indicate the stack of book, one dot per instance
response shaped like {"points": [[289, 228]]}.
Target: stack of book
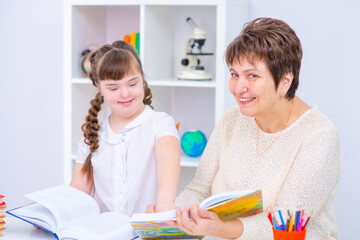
{"points": [[134, 40], [2, 214]]}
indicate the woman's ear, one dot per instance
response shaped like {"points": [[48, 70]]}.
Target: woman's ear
{"points": [[285, 83]]}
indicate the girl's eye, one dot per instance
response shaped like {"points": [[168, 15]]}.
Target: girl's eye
{"points": [[113, 89], [132, 84]]}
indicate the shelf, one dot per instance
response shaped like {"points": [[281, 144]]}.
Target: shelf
{"points": [[185, 161], [189, 161], [173, 82], [163, 30], [168, 82], [81, 81]]}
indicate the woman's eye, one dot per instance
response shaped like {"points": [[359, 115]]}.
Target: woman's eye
{"points": [[234, 75], [253, 76]]}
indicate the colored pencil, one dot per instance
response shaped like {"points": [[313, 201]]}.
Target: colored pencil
{"points": [[282, 220], [294, 221], [307, 221], [269, 217], [299, 227], [291, 224]]}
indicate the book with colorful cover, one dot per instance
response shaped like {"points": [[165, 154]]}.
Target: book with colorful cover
{"points": [[228, 205], [126, 38], [154, 226], [234, 204], [137, 43], [134, 40]]}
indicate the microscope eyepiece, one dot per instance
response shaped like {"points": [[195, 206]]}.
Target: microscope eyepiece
{"points": [[191, 22]]}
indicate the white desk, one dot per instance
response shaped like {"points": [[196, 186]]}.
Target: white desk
{"points": [[20, 230], [17, 229]]}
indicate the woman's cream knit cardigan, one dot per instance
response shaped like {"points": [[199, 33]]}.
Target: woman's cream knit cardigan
{"points": [[300, 167]]}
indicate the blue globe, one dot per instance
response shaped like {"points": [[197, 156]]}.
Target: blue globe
{"points": [[193, 143]]}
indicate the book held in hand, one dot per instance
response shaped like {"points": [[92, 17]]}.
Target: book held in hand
{"points": [[154, 226], [227, 205], [68, 213]]}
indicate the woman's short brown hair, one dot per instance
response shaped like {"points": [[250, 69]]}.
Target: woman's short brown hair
{"points": [[272, 41]]}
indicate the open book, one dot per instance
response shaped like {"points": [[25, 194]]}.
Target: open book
{"points": [[227, 205], [68, 213]]}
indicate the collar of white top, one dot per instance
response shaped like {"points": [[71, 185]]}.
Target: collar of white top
{"points": [[112, 137]]}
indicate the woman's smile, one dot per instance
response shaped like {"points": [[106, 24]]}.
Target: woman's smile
{"points": [[243, 100]]}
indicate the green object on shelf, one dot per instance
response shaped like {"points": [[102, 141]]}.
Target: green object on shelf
{"points": [[137, 44]]}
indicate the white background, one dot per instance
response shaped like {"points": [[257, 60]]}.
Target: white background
{"points": [[31, 90]]}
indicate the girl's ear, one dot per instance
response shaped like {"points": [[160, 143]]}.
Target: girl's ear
{"points": [[285, 83]]}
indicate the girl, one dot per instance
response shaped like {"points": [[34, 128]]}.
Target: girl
{"points": [[132, 159]]}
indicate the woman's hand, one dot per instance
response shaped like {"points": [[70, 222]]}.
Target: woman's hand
{"points": [[206, 223]]}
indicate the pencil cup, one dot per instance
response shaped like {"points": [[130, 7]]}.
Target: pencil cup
{"points": [[285, 235]]}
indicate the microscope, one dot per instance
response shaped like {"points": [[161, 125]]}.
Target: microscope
{"points": [[190, 68]]}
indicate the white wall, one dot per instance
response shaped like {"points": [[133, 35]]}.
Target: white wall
{"points": [[31, 89], [30, 97], [330, 35]]}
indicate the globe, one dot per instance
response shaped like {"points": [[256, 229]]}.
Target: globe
{"points": [[193, 143]]}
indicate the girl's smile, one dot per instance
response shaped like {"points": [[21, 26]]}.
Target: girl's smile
{"points": [[126, 103]]}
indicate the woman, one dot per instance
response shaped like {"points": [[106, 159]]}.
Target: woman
{"points": [[272, 141]]}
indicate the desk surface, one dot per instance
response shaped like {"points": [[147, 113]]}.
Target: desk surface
{"points": [[17, 229], [20, 230]]}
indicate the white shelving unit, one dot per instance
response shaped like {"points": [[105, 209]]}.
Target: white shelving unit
{"points": [[162, 28]]}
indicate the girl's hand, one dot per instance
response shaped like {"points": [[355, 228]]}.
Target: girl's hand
{"points": [[206, 223], [162, 206], [158, 208], [150, 209]]}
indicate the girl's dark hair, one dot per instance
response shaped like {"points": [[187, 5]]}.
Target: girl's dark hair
{"points": [[273, 41], [108, 62]]}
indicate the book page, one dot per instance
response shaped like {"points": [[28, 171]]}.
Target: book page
{"points": [[36, 213], [65, 203], [106, 226], [221, 197], [156, 217]]}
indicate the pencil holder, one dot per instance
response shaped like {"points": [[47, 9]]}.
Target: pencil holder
{"points": [[285, 235]]}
